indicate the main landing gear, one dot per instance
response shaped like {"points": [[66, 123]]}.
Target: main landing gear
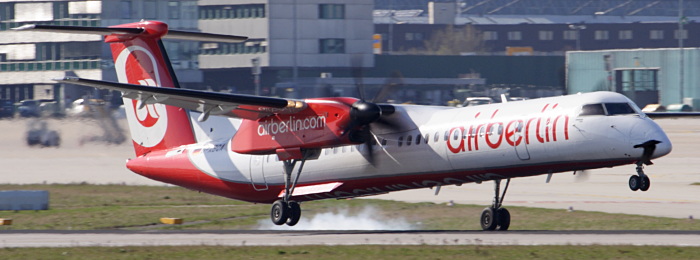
{"points": [[496, 217], [285, 210]]}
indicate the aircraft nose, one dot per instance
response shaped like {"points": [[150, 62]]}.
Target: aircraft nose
{"points": [[654, 134], [664, 146]]}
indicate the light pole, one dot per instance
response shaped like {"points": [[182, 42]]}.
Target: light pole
{"points": [[578, 29], [681, 35], [256, 74]]}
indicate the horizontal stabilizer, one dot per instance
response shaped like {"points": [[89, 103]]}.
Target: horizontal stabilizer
{"points": [[172, 34], [226, 104]]}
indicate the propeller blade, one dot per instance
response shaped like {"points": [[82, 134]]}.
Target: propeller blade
{"points": [[395, 81]]}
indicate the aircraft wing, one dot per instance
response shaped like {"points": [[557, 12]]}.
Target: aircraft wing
{"points": [[225, 104]]}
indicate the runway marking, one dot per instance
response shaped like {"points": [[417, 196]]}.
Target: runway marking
{"points": [[14, 239]]}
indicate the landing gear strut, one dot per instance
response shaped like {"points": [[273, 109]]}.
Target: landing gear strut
{"points": [[285, 210], [496, 217], [641, 180]]}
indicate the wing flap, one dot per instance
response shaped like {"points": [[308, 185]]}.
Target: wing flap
{"points": [[224, 104], [313, 189]]}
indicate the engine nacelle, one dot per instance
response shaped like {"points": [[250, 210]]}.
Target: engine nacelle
{"points": [[321, 125]]}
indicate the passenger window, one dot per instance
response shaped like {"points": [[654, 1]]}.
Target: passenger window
{"points": [[436, 138], [409, 139], [400, 141], [619, 109], [418, 137], [427, 137], [457, 134], [592, 109], [447, 135]]}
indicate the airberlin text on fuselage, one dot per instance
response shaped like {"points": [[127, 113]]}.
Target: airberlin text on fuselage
{"points": [[292, 124], [541, 129]]}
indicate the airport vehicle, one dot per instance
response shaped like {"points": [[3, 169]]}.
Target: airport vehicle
{"points": [[286, 151]]}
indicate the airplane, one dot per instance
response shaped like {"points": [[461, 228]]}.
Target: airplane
{"points": [[287, 151]]}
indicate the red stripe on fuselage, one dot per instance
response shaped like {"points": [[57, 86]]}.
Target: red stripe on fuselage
{"points": [[177, 170]]}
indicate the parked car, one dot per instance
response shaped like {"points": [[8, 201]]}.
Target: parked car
{"points": [[475, 101], [29, 108], [7, 109]]}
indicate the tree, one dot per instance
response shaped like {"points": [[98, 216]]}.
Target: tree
{"points": [[455, 41]]}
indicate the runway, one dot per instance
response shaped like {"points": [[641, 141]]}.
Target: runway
{"points": [[671, 195], [14, 239]]}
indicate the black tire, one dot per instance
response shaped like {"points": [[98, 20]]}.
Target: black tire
{"points": [[644, 184], [503, 219], [294, 213], [279, 212], [488, 219], [634, 182]]}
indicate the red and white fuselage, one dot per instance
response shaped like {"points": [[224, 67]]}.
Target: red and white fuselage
{"points": [[440, 146]]}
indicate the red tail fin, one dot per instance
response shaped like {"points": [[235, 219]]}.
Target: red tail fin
{"points": [[141, 59]]}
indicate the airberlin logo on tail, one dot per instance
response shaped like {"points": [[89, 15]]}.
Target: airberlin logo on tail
{"points": [[148, 123], [148, 116]]}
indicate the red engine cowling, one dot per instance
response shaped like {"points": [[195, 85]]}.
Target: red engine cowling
{"points": [[320, 125]]}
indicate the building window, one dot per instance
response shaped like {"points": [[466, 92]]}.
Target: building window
{"points": [[331, 46], [60, 10], [331, 11], [637, 80], [232, 11], [570, 35], [678, 34], [7, 11], [515, 36], [174, 9], [546, 35], [414, 36], [601, 35], [490, 35], [125, 9], [656, 34], [625, 35]]}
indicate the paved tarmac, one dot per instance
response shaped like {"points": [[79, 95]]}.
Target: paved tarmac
{"points": [[280, 238], [671, 195]]}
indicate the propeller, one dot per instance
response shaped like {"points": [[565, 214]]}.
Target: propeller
{"points": [[364, 113]]}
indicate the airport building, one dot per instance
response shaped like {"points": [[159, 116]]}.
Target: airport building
{"points": [[298, 41], [647, 76]]}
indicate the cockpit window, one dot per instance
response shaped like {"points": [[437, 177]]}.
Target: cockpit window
{"points": [[609, 109], [592, 109], [619, 109]]}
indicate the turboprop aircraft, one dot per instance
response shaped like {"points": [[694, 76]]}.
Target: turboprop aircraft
{"points": [[287, 151]]}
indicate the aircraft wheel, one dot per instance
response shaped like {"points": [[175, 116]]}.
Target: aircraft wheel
{"points": [[503, 219], [279, 213], [488, 219], [644, 184], [294, 213], [635, 182]]}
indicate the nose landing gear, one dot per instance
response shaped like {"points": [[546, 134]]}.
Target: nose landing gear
{"points": [[641, 180]]}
